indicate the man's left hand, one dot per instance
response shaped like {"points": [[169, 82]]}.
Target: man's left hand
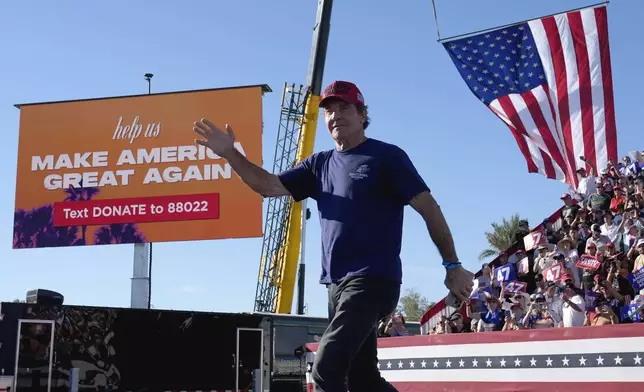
{"points": [[460, 282]]}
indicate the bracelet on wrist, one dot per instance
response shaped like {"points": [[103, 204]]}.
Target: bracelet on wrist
{"points": [[451, 264]]}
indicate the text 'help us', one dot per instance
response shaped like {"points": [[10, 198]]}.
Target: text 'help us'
{"points": [[132, 131]]}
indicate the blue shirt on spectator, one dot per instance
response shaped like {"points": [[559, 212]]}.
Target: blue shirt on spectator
{"points": [[361, 194], [497, 318], [533, 319]]}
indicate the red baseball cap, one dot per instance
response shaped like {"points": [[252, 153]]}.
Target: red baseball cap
{"points": [[345, 91]]}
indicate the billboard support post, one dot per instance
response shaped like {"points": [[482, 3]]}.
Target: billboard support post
{"points": [[141, 296], [140, 293]]}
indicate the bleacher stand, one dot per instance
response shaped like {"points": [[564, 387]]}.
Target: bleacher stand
{"points": [[582, 266]]}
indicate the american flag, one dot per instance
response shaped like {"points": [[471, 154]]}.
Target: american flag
{"points": [[582, 359], [550, 81]]}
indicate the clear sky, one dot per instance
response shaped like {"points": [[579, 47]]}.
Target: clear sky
{"points": [[78, 49]]}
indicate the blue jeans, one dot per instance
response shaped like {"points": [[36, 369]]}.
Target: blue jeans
{"points": [[347, 353]]}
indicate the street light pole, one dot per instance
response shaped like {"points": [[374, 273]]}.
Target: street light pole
{"points": [[148, 77]]}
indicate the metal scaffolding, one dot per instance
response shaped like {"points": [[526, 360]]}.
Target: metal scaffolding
{"points": [[277, 213]]}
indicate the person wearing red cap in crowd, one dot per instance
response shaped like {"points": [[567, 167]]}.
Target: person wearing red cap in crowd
{"points": [[361, 188], [610, 252], [569, 209], [619, 200]]}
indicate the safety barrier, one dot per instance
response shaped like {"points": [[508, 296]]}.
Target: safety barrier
{"points": [[581, 359]]}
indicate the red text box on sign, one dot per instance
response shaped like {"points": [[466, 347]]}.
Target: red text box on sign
{"points": [[137, 210]]}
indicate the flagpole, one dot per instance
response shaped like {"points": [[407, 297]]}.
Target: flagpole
{"points": [[438, 33], [448, 39]]}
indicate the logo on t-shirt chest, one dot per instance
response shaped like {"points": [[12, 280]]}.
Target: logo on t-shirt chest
{"points": [[360, 173]]}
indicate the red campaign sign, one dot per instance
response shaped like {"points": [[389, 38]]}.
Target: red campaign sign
{"points": [[515, 287], [554, 272], [588, 262], [523, 266], [137, 210], [534, 239]]}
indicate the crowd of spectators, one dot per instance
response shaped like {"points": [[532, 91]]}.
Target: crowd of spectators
{"points": [[393, 326], [582, 267]]}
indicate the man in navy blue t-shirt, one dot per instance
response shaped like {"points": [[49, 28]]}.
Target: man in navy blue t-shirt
{"points": [[361, 188]]}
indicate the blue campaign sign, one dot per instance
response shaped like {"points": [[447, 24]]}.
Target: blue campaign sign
{"points": [[638, 280], [630, 312], [505, 273]]}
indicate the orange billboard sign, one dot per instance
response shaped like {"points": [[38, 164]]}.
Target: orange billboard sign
{"points": [[126, 170]]}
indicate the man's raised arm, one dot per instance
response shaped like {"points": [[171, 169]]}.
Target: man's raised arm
{"points": [[258, 179], [223, 144]]}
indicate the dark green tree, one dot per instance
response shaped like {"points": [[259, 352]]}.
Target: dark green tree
{"points": [[501, 237], [413, 305]]}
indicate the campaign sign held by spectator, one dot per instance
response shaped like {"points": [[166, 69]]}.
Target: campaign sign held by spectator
{"points": [[638, 280], [479, 288], [630, 312], [505, 273], [591, 300], [515, 286], [523, 265], [122, 170], [588, 262], [534, 239], [553, 273], [475, 289]]}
